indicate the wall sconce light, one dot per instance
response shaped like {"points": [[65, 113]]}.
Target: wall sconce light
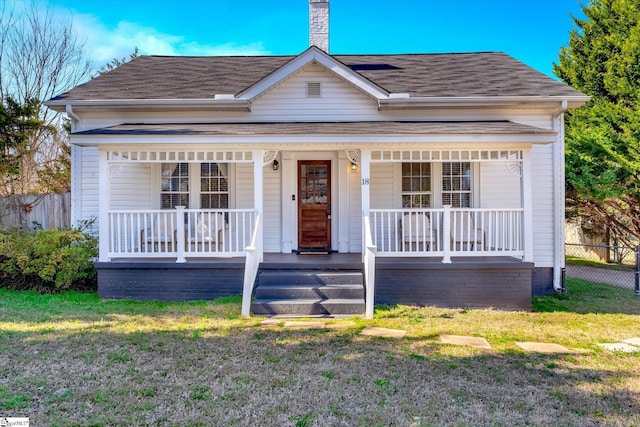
{"points": [[275, 165], [354, 166]]}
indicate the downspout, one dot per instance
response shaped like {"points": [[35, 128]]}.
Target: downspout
{"points": [[559, 195], [74, 118]]}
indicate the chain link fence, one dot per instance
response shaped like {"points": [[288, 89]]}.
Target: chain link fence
{"points": [[602, 270]]}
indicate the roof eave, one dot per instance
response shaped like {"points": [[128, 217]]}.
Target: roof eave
{"points": [[151, 104], [409, 103]]}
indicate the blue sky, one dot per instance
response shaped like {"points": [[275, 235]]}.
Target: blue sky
{"points": [[530, 30]]}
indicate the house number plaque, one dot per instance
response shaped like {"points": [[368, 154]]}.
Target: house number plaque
{"points": [[365, 181]]}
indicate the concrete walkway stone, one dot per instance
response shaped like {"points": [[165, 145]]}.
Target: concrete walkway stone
{"points": [[340, 326], [542, 347], [620, 346], [373, 331], [632, 341], [477, 342], [304, 325], [270, 323]]}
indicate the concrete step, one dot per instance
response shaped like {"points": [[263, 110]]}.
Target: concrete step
{"points": [[308, 292], [307, 307], [292, 291], [309, 278]]}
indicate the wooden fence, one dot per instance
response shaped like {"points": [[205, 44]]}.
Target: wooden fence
{"points": [[24, 211]]}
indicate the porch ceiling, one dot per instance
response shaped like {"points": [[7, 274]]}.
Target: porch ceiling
{"points": [[376, 129]]}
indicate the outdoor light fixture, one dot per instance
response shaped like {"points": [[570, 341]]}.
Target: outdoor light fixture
{"points": [[353, 166], [275, 165]]}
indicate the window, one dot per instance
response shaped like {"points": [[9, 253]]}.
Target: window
{"points": [[214, 186], [416, 185], [174, 188], [456, 184], [210, 191]]}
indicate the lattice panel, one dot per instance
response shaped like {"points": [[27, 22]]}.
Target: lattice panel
{"points": [[194, 156], [446, 155]]}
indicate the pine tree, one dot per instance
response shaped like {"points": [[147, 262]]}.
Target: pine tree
{"points": [[602, 60]]}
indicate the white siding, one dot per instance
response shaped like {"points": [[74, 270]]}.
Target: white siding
{"points": [[131, 186], [243, 187], [272, 210], [541, 156], [288, 100], [88, 176], [355, 212], [499, 188], [382, 186]]}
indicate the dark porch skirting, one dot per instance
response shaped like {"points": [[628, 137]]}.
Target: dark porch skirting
{"points": [[169, 281], [502, 283]]}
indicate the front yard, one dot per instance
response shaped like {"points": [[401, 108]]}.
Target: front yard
{"points": [[72, 359]]}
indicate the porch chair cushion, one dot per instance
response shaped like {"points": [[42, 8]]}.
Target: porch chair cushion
{"points": [[158, 230], [464, 229], [209, 228], [159, 234], [416, 228]]}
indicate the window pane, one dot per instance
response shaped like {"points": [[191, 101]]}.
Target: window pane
{"points": [[174, 185], [456, 184], [214, 187], [416, 185]]}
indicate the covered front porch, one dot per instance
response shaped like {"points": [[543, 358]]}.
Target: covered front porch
{"points": [[475, 242]]}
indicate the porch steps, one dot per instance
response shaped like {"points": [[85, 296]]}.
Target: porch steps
{"points": [[308, 292]]}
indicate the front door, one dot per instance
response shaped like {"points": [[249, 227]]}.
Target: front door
{"points": [[314, 204]]}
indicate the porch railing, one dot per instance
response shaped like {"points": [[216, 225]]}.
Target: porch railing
{"points": [[252, 263], [180, 233], [448, 232], [369, 258]]}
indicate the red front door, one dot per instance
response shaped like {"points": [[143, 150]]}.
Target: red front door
{"points": [[314, 204]]}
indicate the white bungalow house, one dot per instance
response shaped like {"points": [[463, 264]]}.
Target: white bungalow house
{"points": [[429, 178]]}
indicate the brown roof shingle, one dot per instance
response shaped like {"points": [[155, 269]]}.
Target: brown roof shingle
{"points": [[322, 128], [421, 75]]}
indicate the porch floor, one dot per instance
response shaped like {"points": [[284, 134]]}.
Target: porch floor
{"points": [[337, 260], [466, 282]]}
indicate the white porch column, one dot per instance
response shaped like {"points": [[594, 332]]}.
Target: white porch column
{"points": [[104, 203], [289, 203], [526, 183], [365, 181], [344, 234], [446, 233], [180, 241], [258, 190]]}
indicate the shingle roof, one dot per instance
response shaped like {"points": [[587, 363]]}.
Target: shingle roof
{"points": [[321, 128], [421, 75]]}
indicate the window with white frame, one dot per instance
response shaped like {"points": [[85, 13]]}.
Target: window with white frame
{"points": [[214, 186], [174, 185], [197, 186], [456, 184], [416, 185]]}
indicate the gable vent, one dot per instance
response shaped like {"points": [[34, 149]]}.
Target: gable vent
{"points": [[313, 89]]}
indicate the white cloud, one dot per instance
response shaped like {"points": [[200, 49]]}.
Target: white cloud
{"points": [[103, 44]]}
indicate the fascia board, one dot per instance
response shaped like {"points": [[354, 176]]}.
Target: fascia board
{"points": [[147, 104], [308, 56], [478, 102], [329, 140]]}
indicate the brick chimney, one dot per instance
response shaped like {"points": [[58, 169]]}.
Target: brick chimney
{"points": [[319, 24]]}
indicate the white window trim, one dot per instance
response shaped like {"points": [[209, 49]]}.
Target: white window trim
{"points": [[436, 184], [194, 185]]}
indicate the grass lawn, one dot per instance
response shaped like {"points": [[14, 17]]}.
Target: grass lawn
{"points": [[72, 359]]}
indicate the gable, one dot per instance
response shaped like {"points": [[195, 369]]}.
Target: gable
{"points": [[338, 100]]}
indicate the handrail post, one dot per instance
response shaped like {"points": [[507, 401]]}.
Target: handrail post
{"points": [[252, 263], [369, 255], [180, 234], [446, 234]]}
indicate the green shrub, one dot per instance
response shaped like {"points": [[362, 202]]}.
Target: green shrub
{"points": [[48, 260]]}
